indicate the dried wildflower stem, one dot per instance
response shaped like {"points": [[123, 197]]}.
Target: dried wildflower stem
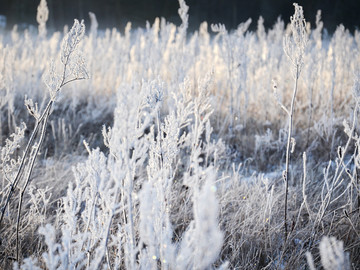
{"points": [[294, 49], [288, 148]]}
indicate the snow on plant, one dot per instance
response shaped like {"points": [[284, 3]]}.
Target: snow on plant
{"points": [[89, 213], [183, 13], [8, 163], [155, 202], [203, 231], [332, 255], [294, 45], [94, 25], [236, 64]]}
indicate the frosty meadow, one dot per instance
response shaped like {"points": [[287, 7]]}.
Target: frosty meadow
{"points": [[157, 148]]}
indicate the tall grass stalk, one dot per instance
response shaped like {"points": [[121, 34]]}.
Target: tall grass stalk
{"points": [[294, 48]]}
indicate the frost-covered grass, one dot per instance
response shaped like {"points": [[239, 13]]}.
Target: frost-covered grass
{"points": [[172, 154]]}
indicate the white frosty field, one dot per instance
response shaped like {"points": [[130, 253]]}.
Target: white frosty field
{"points": [[159, 148]]}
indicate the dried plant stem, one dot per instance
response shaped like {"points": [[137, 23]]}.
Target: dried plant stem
{"points": [[294, 48], [286, 174]]}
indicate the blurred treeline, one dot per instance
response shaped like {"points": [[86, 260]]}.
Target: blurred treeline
{"points": [[116, 13]]}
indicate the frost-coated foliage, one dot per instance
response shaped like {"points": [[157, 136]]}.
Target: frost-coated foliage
{"points": [[169, 153], [332, 255]]}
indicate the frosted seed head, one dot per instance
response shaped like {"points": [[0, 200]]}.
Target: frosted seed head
{"points": [[296, 42], [218, 28], [77, 66], [183, 12], [332, 254], [52, 80], [32, 108], [155, 93], [42, 12], [71, 40], [42, 17], [94, 24], [318, 18]]}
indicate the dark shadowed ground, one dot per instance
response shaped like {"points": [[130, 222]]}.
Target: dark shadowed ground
{"points": [[115, 13]]}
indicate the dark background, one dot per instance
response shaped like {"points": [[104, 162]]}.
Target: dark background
{"points": [[116, 13]]}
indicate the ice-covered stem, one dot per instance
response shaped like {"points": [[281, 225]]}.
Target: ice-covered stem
{"points": [[42, 17], [294, 48]]}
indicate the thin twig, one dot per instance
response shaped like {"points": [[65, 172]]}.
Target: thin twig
{"points": [[288, 148]]}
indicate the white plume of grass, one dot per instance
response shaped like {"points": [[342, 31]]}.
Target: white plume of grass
{"points": [[203, 232], [333, 256], [42, 17]]}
